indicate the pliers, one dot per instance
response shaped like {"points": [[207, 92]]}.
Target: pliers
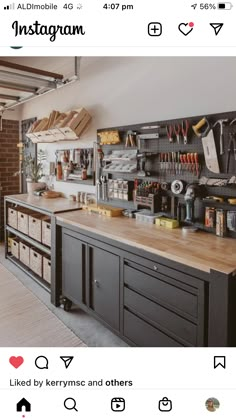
{"points": [[170, 133], [232, 142], [185, 127], [177, 130]]}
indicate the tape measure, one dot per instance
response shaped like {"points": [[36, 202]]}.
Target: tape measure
{"points": [[177, 187]]}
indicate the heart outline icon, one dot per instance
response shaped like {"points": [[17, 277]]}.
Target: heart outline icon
{"points": [[182, 30], [16, 361]]}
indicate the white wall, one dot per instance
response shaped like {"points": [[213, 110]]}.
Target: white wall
{"points": [[120, 91]]}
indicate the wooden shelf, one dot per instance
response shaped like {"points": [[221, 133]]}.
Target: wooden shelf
{"points": [[29, 272], [70, 181], [31, 241]]}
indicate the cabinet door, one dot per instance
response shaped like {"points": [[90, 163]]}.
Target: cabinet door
{"points": [[104, 273], [73, 268]]}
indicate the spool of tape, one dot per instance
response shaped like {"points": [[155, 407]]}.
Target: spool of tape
{"points": [[177, 187]]}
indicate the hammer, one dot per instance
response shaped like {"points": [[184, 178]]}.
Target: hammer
{"points": [[221, 122]]}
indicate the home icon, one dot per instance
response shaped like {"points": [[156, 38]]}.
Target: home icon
{"points": [[23, 404]]}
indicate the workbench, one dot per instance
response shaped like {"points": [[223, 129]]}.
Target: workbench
{"points": [[150, 285]]}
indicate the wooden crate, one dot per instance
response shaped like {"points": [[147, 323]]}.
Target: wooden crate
{"points": [[15, 248], [12, 217], [25, 254], [35, 227], [36, 262], [47, 269], [46, 232]]}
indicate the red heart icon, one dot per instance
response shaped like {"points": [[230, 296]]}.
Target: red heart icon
{"points": [[16, 361]]}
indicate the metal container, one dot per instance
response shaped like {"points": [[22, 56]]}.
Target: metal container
{"points": [[210, 217], [220, 223]]}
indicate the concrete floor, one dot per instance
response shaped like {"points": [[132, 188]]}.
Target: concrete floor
{"points": [[92, 332]]}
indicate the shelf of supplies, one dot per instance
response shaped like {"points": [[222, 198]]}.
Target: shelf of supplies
{"points": [[218, 205], [31, 241], [29, 272]]}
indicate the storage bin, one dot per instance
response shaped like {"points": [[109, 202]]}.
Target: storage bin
{"points": [[15, 248], [146, 216], [25, 254], [23, 221], [47, 269], [35, 227], [36, 262], [12, 217], [46, 232]]}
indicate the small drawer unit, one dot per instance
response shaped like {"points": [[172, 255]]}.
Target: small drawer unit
{"points": [[12, 217], [36, 262], [47, 269], [24, 254], [46, 232], [15, 248]]}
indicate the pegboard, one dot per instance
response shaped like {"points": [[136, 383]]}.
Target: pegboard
{"points": [[194, 145]]}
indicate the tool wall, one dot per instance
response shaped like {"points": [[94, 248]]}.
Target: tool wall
{"points": [[151, 165]]}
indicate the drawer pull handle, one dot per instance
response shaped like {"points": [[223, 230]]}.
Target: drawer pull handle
{"points": [[97, 283], [155, 267]]}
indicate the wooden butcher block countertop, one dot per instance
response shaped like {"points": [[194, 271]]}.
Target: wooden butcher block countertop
{"points": [[200, 250], [50, 205]]}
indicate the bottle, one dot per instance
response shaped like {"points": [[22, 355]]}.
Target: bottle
{"points": [[59, 171]]}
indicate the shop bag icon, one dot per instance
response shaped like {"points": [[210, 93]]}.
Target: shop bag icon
{"points": [[165, 404]]}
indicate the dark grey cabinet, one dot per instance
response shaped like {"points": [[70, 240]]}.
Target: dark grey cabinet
{"points": [[91, 277], [73, 268], [104, 280]]}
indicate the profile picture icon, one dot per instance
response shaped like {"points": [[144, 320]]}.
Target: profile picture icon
{"points": [[212, 404]]}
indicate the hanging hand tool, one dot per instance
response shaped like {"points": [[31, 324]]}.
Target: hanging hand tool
{"points": [[185, 162], [170, 133], [208, 143], [196, 163], [190, 195], [185, 128], [193, 163], [232, 142], [177, 130], [189, 161], [181, 162], [221, 122]]}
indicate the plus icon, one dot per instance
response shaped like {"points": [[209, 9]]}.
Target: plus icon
{"points": [[154, 29]]}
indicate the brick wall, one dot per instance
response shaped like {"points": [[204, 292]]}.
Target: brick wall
{"points": [[9, 163]]}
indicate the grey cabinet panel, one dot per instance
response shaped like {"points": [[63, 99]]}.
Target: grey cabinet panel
{"points": [[161, 317], [159, 288], [73, 268], [144, 335], [104, 274]]}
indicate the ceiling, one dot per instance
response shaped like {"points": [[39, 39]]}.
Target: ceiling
{"points": [[20, 83]]}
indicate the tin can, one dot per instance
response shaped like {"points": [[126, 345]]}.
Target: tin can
{"points": [[220, 223], [210, 217]]}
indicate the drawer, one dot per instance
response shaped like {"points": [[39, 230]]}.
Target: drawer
{"points": [[165, 290], [15, 248], [144, 335], [161, 317], [36, 262], [46, 232], [35, 228], [24, 254], [12, 218], [23, 222], [47, 269]]}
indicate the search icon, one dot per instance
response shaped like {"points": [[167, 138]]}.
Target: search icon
{"points": [[70, 404], [41, 362]]}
